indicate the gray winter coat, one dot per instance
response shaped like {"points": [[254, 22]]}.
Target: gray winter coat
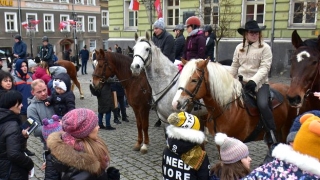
{"points": [[37, 110]]}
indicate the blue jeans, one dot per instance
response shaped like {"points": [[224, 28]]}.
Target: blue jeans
{"points": [[108, 117], [84, 65]]}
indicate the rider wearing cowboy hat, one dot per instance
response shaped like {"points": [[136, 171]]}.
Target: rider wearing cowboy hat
{"points": [[252, 59]]}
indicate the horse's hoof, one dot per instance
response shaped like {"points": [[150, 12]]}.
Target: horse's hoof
{"points": [[81, 97], [136, 148], [143, 151]]}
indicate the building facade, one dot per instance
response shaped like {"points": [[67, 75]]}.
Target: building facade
{"points": [[83, 24], [280, 17]]}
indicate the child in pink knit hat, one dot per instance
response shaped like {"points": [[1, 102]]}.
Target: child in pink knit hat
{"points": [[235, 160], [50, 126]]}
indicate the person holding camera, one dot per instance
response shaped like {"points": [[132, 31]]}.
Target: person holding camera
{"points": [[13, 161]]}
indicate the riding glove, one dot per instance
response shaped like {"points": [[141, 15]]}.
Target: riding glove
{"points": [[250, 86]]}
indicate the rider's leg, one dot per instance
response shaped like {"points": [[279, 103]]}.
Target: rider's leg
{"points": [[263, 96]]}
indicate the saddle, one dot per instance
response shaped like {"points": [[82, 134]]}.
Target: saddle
{"points": [[250, 102]]}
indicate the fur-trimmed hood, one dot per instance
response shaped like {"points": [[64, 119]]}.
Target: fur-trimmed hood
{"points": [[304, 162], [70, 157], [190, 135]]}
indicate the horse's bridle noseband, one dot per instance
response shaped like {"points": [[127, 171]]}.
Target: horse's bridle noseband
{"points": [[308, 91], [137, 55], [193, 94]]}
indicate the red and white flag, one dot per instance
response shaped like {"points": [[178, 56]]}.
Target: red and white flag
{"points": [[62, 25], [35, 22], [134, 5], [157, 5], [24, 24]]}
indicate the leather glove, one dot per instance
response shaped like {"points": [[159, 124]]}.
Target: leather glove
{"points": [[250, 86], [95, 92]]}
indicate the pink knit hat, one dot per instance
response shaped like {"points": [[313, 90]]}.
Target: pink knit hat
{"points": [[231, 150], [80, 122]]}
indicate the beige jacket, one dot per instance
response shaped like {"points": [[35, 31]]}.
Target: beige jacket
{"points": [[253, 64]]}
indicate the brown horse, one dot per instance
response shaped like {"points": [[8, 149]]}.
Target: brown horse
{"points": [[305, 73], [222, 96], [138, 91], [72, 71]]}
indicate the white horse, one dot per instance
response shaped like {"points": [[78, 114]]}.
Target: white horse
{"points": [[162, 75]]}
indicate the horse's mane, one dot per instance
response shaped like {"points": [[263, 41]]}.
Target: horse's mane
{"points": [[223, 87], [156, 52], [311, 42]]}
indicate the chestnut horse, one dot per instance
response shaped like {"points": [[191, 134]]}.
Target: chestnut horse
{"points": [[138, 91], [72, 71], [222, 96], [305, 73]]}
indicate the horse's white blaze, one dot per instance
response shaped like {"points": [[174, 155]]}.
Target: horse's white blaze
{"points": [[301, 54], [176, 98]]}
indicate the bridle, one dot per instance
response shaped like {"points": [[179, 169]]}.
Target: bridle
{"points": [[103, 77], [308, 91], [149, 55], [193, 94]]}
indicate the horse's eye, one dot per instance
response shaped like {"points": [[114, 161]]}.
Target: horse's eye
{"points": [[147, 49], [194, 80]]}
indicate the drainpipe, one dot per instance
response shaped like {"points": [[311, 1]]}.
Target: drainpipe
{"points": [[19, 15], [272, 29]]}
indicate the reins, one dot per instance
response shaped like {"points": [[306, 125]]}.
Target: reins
{"points": [[308, 92]]}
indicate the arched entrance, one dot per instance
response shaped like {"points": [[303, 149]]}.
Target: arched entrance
{"points": [[66, 43]]}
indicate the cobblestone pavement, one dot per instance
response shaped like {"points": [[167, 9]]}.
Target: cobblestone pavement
{"points": [[133, 164]]}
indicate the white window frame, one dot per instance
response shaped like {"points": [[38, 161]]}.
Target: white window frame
{"points": [[104, 17], [94, 43], [35, 15], [48, 0], [64, 1], [79, 1], [255, 3], [82, 23], [212, 5], [91, 2], [166, 14], [303, 24], [44, 22], [93, 23], [15, 24], [67, 28], [127, 11]]}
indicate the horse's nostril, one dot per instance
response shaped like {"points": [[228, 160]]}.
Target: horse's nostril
{"points": [[294, 100], [137, 66], [178, 105]]}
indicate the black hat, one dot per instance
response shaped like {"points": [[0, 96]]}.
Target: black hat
{"points": [[251, 25], [17, 36]]}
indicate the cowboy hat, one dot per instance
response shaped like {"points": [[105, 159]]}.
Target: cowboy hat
{"points": [[251, 25]]}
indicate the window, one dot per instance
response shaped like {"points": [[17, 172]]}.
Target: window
{"points": [[92, 45], [11, 22], [65, 17], [131, 17], [172, 12], [47, 0], [48, 21], [64, 1], [78, 1], [303, 13], [211, 12], [105, 44], [32, 16], [254, 10], [80, 23], [91, 2], [91, 24], [105, 18]]}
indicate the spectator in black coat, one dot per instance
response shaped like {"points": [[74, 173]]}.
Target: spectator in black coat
{"points": [[13, 161], [84, 54], [105, 104], [118, 49], [179, 42], [210, 42], [66, 54], [117, 87]]}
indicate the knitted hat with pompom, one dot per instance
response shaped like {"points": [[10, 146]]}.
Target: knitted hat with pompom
{"points": [[184, 120], [231, 150], [50, 126]]}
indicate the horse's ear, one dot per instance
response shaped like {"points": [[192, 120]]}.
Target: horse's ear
{"points": [[147, 36], [136, 37], [296, 39], [184, 62], [130, 49], [101, 52], [203, 63]]}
